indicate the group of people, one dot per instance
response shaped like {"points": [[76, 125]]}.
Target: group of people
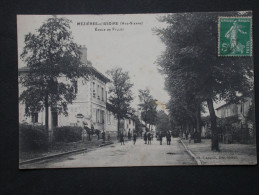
{"points": [[129, 137], [167, 135], [148, 137]]}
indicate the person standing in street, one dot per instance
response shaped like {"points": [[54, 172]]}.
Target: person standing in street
{"points": [[122, 139], [103, 136], [168, 138], [145, 137], [160, 136], [134, 138], [149, 138], [129, 136]]}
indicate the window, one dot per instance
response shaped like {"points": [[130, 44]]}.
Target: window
{"points": [[97, 115], [102, 94], [98, 92], [102, 116], [34, 117], [108, 117], [94, 92], [129, 121]]}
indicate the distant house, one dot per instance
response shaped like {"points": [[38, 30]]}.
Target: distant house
{"points": [[239, 110], [89, 105], [127, 125], [232, 122]]}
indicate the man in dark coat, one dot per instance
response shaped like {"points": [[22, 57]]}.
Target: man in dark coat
{"points": [[149, 138], [122, 139], [103, 136], [160, 136], [134, 138], [129, 135], [168, 138], [145, 137]]}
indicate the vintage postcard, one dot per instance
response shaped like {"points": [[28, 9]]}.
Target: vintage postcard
{"points": [[136, 90]]}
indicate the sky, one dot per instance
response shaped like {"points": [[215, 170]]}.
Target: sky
{"points": [[134, 47]]}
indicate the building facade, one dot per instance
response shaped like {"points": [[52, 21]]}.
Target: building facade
{"points": [[239, 110], [89, 104]]}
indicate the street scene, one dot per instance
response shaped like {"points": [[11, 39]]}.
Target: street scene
{"points": [[136, 90], [128, 155]]}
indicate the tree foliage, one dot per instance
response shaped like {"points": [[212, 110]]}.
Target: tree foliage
{"points": [[50, 54], [162, 122], [120, 94], [194, 72], [148, 107]]}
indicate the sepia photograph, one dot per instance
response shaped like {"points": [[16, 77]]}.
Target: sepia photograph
{"points": [[126, 90]]}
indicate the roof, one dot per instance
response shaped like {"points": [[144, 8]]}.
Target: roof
{"points": [[99, 75], [93, 70], [226, 104]]}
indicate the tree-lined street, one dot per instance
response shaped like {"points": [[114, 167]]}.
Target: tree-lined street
{"points": [[127, 155], [209, 97]]}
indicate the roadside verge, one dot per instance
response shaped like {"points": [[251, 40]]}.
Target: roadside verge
{"points": [[191, 153], [60, 154]]}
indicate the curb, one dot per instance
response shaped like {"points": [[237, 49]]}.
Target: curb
{"points": [[50, 157], [106, 144], [58, 155], [191, 153]]}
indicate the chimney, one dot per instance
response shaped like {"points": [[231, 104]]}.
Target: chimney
{"points": [[83, 50]]}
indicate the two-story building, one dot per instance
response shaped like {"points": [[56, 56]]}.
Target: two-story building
{"points": [[89, 104]]}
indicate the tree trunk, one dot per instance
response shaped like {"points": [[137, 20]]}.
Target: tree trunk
{"points": [[214, 131], [198, 122], [47, 113]]}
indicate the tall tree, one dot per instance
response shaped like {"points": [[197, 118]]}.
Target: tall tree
{"points": [[49, 54], [191, 54], [162, 122], [120, 94], [148, 107], [144, 97], [152, 113]]}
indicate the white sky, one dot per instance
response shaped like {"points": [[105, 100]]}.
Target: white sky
{"points": [[135, 49]]}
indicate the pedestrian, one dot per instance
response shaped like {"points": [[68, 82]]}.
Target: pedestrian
{"points": [[103, 136], [129, 135], [134, 138], [145, 137], [122, 139], [87, 129], [160, 136], [168, 138], [190, 138], [149, 138]]}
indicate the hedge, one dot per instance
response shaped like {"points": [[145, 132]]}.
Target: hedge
{"points": [[67, 134], [32, 138]]}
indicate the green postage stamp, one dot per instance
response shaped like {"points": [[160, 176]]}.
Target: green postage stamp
{"points": [[235, 36]]}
